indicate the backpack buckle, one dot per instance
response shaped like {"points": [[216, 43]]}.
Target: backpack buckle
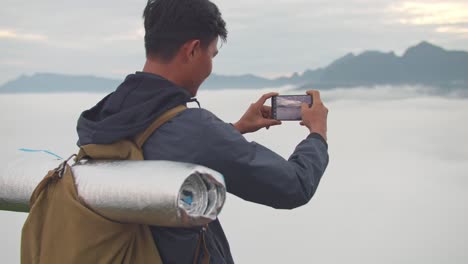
{"points": [[60, 170]]}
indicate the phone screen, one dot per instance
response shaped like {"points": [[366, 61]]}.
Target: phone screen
{"points": [[288, 107]]}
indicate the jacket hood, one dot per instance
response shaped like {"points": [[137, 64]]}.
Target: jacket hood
{"points": [[136, 103]]}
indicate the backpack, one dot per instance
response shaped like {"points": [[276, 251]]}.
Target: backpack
{"points": [[60, 228]]}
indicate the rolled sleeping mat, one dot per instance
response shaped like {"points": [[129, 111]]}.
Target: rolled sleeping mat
{"points": [[160, 193]]}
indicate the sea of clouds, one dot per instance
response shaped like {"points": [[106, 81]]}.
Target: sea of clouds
{"points": [[394, 191]]}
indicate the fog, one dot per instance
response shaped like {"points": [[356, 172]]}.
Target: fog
{"points": [[394, 191]]}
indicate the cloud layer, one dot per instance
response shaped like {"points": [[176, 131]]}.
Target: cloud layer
{"points": [[394, 191]]}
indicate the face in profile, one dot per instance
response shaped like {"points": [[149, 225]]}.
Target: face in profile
{"points": [[203, 63]]}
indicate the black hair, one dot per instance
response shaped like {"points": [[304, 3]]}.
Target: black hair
{"points": [[171, 23]]}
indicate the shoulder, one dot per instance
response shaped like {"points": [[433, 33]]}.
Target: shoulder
{"points": [[193, 121], [200, 116], [199, 113], [182, 137], [207, 122]]}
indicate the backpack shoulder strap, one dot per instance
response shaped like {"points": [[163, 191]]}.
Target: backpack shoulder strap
{"points": [[142, 137], [127, 149]]}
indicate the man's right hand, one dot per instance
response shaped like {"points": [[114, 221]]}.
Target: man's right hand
{"points": [[257, 116], [315, 117]]}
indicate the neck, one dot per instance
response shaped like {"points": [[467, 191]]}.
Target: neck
{"points": [[164, 70], [170, 71]]}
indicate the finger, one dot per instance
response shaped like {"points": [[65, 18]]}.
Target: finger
{"points": [[302, 123], [267, 115], [315, 96], [266, 108], [304, 106], [266, 111], [265, 97]]}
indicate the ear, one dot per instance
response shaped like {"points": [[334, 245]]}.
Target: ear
{"points": [[191, 48]]}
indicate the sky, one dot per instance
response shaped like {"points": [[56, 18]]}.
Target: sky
{"points": [[266, 38]]}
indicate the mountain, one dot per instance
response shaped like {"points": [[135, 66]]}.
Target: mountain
{"points": [[423, 64], [50, 82]]}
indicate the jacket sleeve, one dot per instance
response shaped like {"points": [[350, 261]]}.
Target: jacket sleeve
{"points": [[257, 174]]}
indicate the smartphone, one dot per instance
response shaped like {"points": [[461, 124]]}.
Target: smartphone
{"points": [[288, 107]]}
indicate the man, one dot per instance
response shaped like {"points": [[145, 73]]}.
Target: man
{"points": [[181, 42]]}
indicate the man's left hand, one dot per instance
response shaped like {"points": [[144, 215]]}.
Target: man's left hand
{"points": [[257, 116]]}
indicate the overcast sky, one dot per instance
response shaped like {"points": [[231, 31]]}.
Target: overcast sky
{"points": [[267, 38]]}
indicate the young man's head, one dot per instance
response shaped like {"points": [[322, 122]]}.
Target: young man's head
{"points": [[183, 34]]}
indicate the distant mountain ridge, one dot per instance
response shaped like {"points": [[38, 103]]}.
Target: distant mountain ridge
{"points": [[51, 82], [423, 64]]}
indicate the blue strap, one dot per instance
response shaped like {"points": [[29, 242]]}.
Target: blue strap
{"points": [[40, 150]]}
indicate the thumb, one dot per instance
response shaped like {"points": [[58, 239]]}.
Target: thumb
{"points": [[304, 107]]}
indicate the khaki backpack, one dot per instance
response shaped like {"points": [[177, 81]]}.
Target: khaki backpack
{"points": [[61, 228]]}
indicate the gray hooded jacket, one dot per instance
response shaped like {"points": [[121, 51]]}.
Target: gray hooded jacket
{"points": [[252, 171]]}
